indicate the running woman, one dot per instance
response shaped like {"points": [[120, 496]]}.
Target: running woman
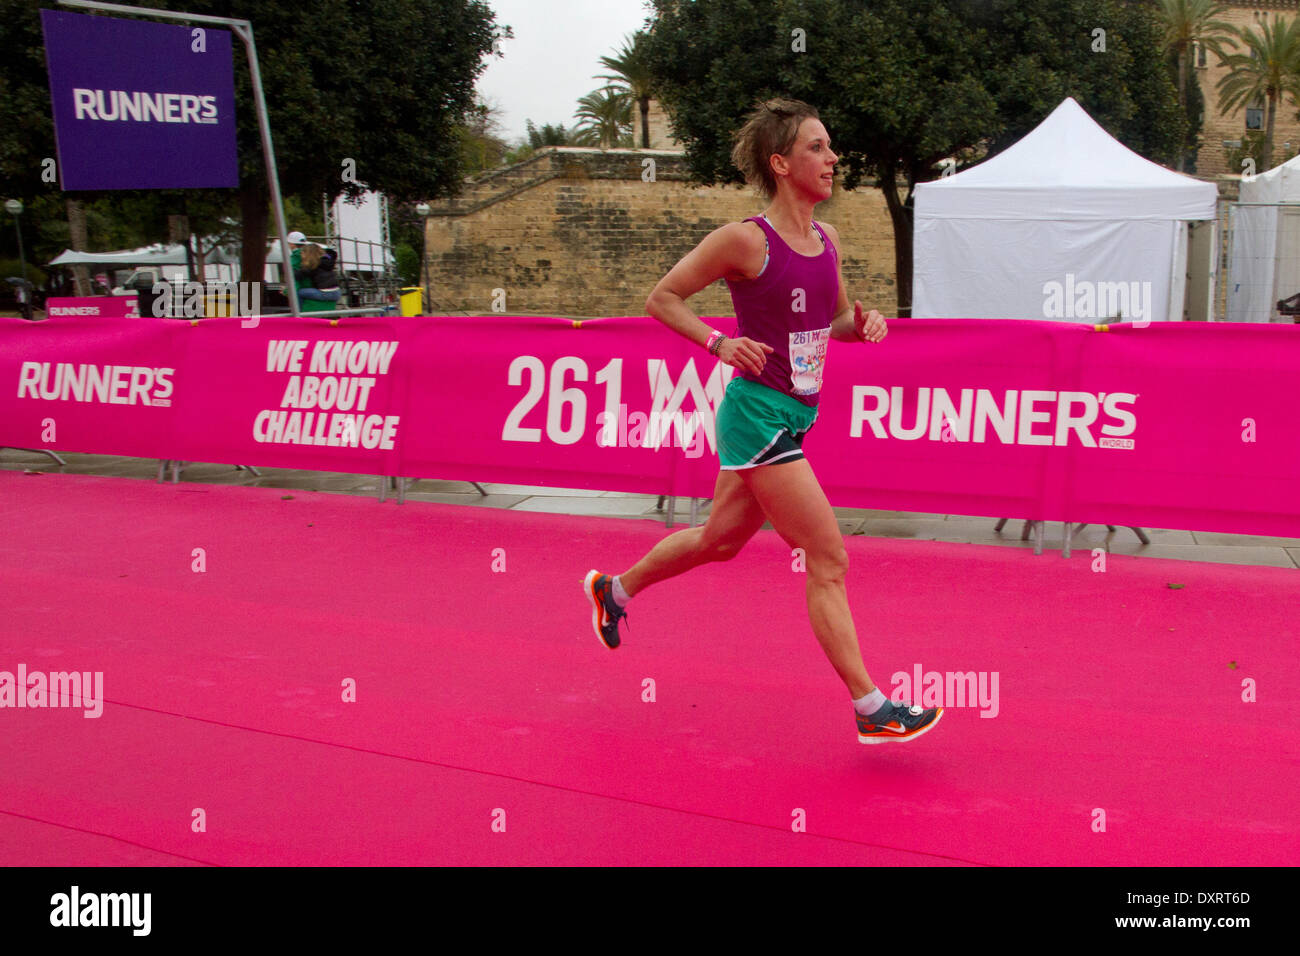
{"points": [[782, 269]]}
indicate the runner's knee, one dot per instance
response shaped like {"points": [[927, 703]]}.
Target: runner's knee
{"points": [[828, 564]]}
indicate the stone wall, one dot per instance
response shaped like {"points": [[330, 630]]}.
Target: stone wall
{"points": [[580, 232]]}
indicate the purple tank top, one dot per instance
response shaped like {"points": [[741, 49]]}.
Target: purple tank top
{"points": [[789, 307]]}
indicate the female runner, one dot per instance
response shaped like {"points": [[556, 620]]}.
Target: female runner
{"points": [[782, 269]]}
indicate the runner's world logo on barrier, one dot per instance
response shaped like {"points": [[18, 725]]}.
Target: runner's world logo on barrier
{"points": [[140, 105], [1016, 417], [96, 384]]}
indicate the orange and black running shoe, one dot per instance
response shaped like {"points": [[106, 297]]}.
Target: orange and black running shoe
{"points": [[605, 613], [896, 721]]}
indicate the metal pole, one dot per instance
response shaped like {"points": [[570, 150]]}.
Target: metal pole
{"points": [[272, 174], [423, 210], [424, 263], [27, 289], [21, 257], [148, 11], [244, 30]]}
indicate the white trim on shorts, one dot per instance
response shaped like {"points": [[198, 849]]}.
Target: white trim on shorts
{"points": [[755, 463]]}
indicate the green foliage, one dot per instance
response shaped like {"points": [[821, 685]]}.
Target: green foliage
{"points": [[548, 135], [518, 154], [408, 263], [307, 218], [481, 145], [1188, 24], [536, 139], [14, 267], [630, 68], [1049, 50], [604, 117], [1268, 68], [1194, 111], [902, 84], [26, 123], [631, 74]]}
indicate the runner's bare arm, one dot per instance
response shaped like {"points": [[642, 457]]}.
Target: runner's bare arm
{"points": [[851, 324], [734, 251]]}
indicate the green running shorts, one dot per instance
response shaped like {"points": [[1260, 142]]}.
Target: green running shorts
{"points": [[758, 425]]}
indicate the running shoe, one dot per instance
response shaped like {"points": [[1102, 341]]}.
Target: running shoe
{"points": [[896, 721], [605, 613]]}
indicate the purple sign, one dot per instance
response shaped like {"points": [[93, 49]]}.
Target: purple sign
{"points": [[140, 105]]}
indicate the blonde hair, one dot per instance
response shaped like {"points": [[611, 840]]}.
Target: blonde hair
{"points": [[310, 256], [770, 130]]}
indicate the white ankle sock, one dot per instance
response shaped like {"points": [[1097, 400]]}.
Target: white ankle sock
{"points": [[621, 597], [868, 704]]}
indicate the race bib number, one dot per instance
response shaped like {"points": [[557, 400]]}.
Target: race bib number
{"points": [[807, 360]]}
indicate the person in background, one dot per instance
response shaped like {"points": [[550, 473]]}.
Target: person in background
{"points": [[324, 276], [313, 270]]}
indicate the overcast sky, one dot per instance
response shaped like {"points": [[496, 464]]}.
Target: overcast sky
{"points": [[554, 57]]}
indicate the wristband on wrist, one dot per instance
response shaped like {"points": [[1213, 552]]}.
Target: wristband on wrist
{"points": [[715, 342]]}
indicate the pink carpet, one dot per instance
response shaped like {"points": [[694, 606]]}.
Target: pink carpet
{"points": [[482, 696]]}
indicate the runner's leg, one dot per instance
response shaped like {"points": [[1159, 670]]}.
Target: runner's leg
{"points": [[733, 519], [800, 512]]}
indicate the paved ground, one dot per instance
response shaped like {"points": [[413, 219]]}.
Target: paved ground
{"points": [[1165, 543]]}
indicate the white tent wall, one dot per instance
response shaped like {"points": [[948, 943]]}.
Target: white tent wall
{"points": [[1251, 273], [1046, 269], [1177, 275], [1265, 251], [1064, 224]]}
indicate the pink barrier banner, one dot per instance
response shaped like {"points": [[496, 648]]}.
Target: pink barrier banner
{"points": [[106, 306], [1173, 425]]}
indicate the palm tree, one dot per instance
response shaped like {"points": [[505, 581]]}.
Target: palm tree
{"points": [[602, 116], [1189, 22], [1270, 70], [631, 73]]}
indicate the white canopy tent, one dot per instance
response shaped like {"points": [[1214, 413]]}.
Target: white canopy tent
{"points": [[1066, 224], [221, 262], [170, 260], [1265, 263], [155, 255]]}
